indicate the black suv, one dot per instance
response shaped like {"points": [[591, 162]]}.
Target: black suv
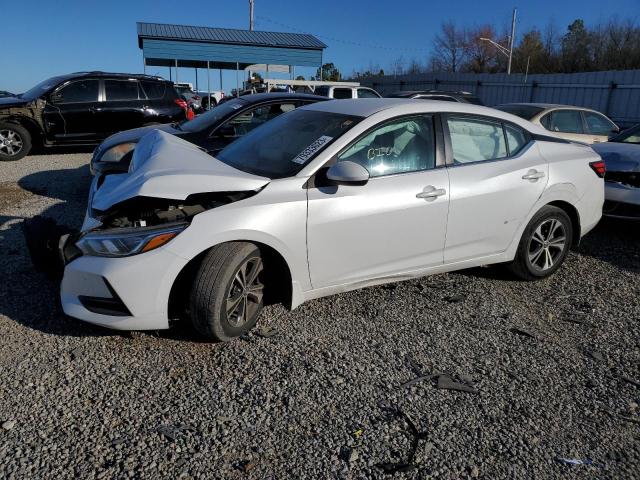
{"points": [[83, 108]]}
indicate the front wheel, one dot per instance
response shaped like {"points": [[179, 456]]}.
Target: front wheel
{"points": [[15, 142], [227, 293], [544, 244]]}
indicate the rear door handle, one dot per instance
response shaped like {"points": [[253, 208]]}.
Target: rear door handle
{"points": [[533, 175], [431, 193]]}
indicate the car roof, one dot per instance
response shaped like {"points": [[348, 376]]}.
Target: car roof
{"points": [[407, 93], [546, 106], [366, 107], [137, 76]]}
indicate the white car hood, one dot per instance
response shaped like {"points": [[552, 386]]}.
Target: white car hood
{"points": [[165, 166]]}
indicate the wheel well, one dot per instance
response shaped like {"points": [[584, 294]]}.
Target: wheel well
{"points": [[277, 282], [31, 127], [573, 216]]}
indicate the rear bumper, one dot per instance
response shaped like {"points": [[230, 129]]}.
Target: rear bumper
{"points": [[622, 201]]}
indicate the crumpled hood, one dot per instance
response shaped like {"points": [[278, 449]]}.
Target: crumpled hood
{"points": [[165, 166], [12, 102], [133, 135], [618, 156]]}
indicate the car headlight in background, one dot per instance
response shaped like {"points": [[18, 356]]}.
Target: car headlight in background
{"points": [[114, 243], [115, 153]]}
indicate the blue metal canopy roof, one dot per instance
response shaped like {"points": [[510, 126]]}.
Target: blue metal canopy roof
{"points": [[161, 31]]}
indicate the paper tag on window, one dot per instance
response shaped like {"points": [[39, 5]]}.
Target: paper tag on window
{"points": [[308, 152]]}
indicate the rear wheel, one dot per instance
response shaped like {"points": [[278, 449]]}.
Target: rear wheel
{"points": [[227, 294], [15, 142], [544, 244]]}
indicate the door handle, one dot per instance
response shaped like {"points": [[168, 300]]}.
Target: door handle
{"points": [[431, 193], [533, 175]]}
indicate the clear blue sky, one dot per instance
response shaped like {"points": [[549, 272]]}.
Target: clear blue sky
{"points": [[44, 38]]}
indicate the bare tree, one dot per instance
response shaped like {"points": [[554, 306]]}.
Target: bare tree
{"points": [[449, 48]]}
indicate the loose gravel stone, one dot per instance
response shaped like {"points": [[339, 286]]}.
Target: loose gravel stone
{"points": [[97, 404]]}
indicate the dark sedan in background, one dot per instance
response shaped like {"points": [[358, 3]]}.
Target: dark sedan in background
{"points": [[212, 130], [621, 155], [83, 108]]}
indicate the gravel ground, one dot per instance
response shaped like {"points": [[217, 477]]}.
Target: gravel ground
{"points": [[550, 369]]}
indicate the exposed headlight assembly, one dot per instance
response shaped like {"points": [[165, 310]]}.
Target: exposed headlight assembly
{"points": [[115, 153], [124, 243]]}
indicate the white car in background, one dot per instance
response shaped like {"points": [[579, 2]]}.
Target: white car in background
{"points": [[573, 123], [327, 198]]}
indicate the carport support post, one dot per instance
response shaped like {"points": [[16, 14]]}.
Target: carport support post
{"points": [[144, 64], [208, 87], [196, 69], [237, 80], [220, 70], [176, 70]]}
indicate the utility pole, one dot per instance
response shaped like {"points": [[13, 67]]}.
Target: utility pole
{"points": [[251, 15], [511, 40]]}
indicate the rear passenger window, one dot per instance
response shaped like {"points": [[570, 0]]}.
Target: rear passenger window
{"points": [[566, 121], [476, 140], [121, 90], [154, 90], [366, 93], [516, 139], [78, 92], [342, 93]]}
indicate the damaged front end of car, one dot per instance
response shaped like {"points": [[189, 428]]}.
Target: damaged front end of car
{"points": [[170, 182]]}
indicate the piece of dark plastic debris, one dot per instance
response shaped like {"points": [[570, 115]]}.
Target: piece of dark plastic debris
{"points": [[266, 332], [416, 380], [391, 468], [446, 382], [575, 461], [630, 380], [522, 332], [455, 298], [595, 355]]}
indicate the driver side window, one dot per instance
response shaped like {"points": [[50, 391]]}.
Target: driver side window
{"points": [[245, 122], [78, 92], [401, 146]]}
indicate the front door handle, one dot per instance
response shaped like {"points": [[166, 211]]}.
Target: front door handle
{"points": [[533, 175], [431, 193]]}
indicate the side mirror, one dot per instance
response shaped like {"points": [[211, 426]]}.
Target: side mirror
{"points": [[348, 173], [55, 98], [615, 131]]}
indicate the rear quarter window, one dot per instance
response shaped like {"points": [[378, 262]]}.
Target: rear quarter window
{"points": [[154, 90]]}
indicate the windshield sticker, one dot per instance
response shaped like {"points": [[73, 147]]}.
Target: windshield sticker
{"points": [[308, 152]]}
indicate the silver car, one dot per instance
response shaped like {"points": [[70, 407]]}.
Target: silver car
{"points": [[326, 198]]}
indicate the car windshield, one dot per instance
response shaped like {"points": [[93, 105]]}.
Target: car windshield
{"points": [[208, 119], [523, 111], [631, 135], [282, 146], [41, 88]]}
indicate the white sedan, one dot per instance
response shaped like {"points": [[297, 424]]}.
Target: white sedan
{"points": [[330, 197]]}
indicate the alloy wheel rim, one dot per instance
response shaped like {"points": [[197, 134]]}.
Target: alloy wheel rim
{"points": [[245, 294], [10, 142], [547, 244]]}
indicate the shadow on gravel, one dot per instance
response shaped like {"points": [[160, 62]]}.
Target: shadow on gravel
{"points": [[616, 242], [42, 150], [28, 296]]}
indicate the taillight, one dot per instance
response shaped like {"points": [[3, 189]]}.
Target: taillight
{"points": [[181, 103], [599, 167]]}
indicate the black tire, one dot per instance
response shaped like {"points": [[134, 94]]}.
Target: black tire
{"points": [[218, 283], [12, 134], [541, 250]]}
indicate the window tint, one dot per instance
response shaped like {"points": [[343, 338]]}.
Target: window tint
{"points": [[342, 93], [154, 90], [629, 136], [598, 124], [566, 121], [516, 139], [476, 140], [121, 90], [366, 93], [80, 91], [247, 121], [405, 145]]}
